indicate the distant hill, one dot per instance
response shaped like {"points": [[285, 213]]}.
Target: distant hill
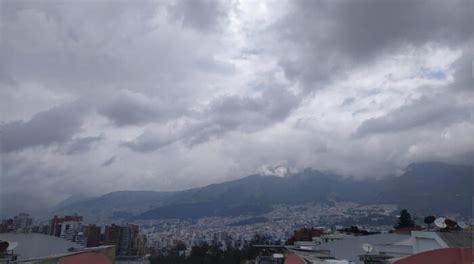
{"points": [[71, 200], [256, 194], [115, 205], [436, 188], [432, 188]]}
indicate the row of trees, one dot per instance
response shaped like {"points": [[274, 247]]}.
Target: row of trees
{"points": [[211, 254]]}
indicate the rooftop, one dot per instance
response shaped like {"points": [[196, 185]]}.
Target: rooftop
{"points": [[458, 239], [32, 245], [293, 259], [351, 248]]}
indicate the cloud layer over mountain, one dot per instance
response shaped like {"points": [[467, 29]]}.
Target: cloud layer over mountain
{"points": [[164, 95]]}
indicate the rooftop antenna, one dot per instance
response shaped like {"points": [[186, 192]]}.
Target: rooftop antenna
{"points": [[440, 222], [367, 248]]}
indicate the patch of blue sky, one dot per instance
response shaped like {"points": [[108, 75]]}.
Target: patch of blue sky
{"points": [[433, 74]]}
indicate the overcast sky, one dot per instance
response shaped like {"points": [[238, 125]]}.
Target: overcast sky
{"points": [[98, 96]]}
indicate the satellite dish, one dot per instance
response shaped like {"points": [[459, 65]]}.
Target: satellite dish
{"points": [[440, 222], [12, 245], [462, 225], [451, 224], [367, 247]]}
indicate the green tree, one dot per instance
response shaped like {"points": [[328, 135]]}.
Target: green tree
{"points": [[429, 220], [405, 219]]}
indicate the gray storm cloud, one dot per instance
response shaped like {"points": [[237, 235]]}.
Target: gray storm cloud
{"points": [[422, 112], [103, 96], [327, 38], [56, 125]]}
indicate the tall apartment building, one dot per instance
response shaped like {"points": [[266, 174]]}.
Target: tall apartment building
{"points": [[92, 234], [127, 241], [112, 235], [22, 221], [66, 227], [123, 237], [72, 231], [55, 226]]}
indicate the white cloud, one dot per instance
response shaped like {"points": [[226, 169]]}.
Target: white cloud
{"points": [[174, 95]]}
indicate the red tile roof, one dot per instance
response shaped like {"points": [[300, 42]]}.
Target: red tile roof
{"points": [[441, 256], [293, 259]]}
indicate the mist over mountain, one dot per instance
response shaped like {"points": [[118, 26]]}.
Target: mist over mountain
{"points": [[167, 95], [427, 188], [432, 188], [71, 200]]}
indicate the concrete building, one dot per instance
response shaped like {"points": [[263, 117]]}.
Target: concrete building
{"points": [[140, 245], [124, 238], [127, 239], [425, 241], [350, 248], [44, 249], [55, 225], [388, 248], [92, 235], [72, 231], [31, 245], [392, 248], [95, 255], [22, 221], [112, 235], [306, 234]]}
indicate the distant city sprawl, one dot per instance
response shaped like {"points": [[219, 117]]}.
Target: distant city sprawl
{"points": [[342, 233]]}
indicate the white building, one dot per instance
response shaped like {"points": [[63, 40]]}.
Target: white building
{"points": [[72, 231], [22, 221]]}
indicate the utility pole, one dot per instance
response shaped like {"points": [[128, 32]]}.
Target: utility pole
{"points": [[2, 185]]}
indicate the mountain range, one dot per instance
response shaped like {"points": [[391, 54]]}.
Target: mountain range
{"points": [[426, 188]]}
